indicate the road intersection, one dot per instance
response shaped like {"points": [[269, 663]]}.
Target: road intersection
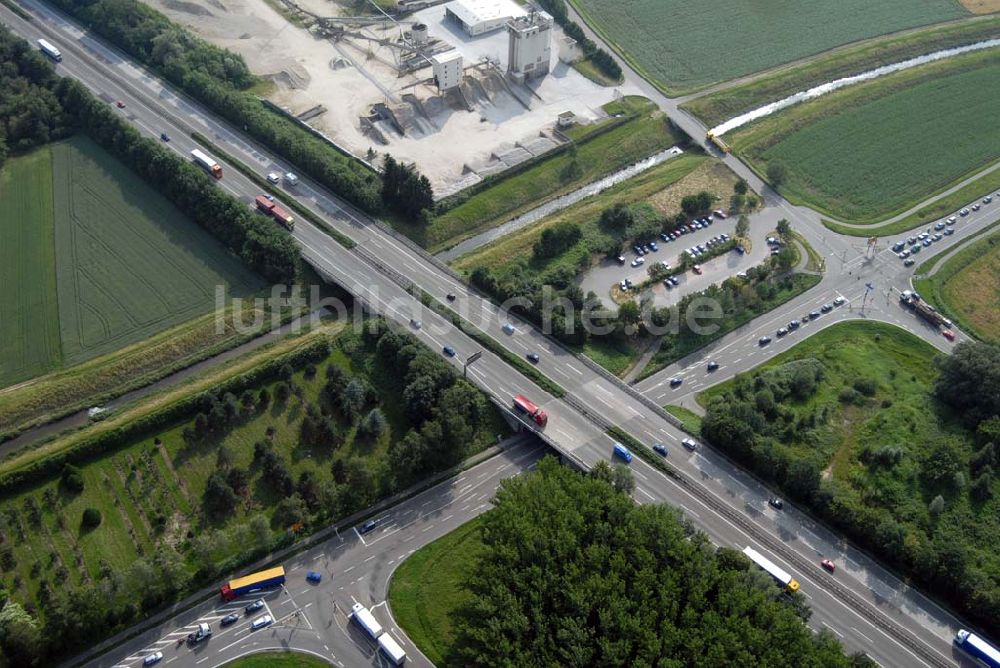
{"points": [[718, 497]]}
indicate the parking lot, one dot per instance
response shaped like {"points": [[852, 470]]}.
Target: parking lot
{"points": [[610, 272]]}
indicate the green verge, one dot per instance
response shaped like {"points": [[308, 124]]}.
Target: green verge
{"points": [[800, 283], [427, 589], [29, 327], [714, 108], [586, 213], [690, 419], [274, 659], [966, 287], [838, 149], [936, 210], [17, 9], [63, 392], [598, 154], [286, 198]]}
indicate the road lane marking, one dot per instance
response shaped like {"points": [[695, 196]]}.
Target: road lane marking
{"points": [[648, 495], [839, 634], [862, 635]]}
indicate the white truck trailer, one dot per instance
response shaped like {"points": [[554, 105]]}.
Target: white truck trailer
{"points": [[366, 620]]}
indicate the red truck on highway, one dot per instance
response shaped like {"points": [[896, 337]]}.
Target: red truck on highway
{"points": [[268, 206], [525, 407]]}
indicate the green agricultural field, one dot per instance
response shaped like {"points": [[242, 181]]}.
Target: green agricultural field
{"points": [[967, 287], [876, 149], [128, 263], [714, 108], [598, 152], [687, 44], [29, 316]]}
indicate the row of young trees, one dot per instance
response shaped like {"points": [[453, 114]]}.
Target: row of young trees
{"points": [[601, 58], [220, 78], [45, 107], [574, 573], [757, 419]]}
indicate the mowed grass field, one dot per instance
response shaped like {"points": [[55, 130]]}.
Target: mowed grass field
{"points": [[128, 263], [967, 287], [688, 44], [877, 149], [29, 324], [428, 589]]}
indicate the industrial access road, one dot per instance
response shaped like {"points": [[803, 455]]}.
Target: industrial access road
{"points": [[865, 606]]}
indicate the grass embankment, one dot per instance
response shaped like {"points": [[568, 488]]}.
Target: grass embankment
{"points": [[427, 589], [967, 287], [718, 40], [877, 149], [779, 291], [279, 660], [714, 108], [946, 206], [596, 154], [29, 326], [644, 187], [688, 418]]}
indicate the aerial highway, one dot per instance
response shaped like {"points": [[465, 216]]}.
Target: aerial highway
{"points": [[861, 605]]}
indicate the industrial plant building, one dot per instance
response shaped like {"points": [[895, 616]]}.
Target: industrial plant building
{"points": [[478, 17], [529, 46]]}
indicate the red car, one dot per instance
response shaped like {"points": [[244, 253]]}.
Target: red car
{"points": [[696, 268], [120, 104], [948, 334], [828, 565]]}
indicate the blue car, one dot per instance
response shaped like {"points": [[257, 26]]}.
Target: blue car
{"points": [[314, 577], [449, 351], [660, 448]]}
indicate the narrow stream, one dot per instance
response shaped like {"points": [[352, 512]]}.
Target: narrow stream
{"points": [[836, 84], [558, 203]]}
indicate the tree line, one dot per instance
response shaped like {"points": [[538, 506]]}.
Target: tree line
{"points": [[604, 61], [46, 107], [574, 573], [755, 420], [220, 79]]}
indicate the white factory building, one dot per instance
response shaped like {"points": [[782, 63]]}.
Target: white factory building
{"points": [[478, 17], [447, 69], [529, 48]]}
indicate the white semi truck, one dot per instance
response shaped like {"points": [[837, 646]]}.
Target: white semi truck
{"points": [[363, 617]]}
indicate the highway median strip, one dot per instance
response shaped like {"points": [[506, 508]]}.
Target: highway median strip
{"points": [[267, 187]]}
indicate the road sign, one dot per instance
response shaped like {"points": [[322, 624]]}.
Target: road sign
{"points": [[473, 357]]}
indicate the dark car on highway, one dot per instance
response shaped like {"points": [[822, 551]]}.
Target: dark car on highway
{"points": [[764, 340]]}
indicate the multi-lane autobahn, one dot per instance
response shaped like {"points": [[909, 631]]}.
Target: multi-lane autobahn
{"points": [[868, 608]]}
